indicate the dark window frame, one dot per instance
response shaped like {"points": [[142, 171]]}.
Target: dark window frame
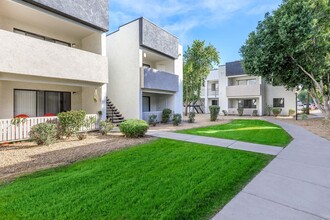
{"points": [[277, 103], [41, 37], [245, 103], [45, 91], [148, 101]]}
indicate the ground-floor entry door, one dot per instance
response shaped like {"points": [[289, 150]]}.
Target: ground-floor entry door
{"points": [[146, 104]]}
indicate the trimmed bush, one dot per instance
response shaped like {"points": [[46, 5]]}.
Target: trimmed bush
{"points": [[225, 113], [304, 116], [177, 118], [152, 120], [106, 127], [214, 112], [166, 115], [134, 128], [191, 117], [276, 111], [255, 113], [291, 112], [44, 133], [240, 111], [269, 110], [71, 122]]}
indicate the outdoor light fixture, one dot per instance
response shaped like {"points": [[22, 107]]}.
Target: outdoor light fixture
{"points": [[144, 55]]}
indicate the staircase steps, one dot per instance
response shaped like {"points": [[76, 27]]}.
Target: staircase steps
{"points": [[113, 114]]}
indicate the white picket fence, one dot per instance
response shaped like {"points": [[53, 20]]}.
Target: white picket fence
{"points": [[10, 131]]}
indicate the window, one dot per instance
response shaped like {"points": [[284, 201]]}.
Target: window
{"points": [[247, 82], [38, 103], [214, 102], [214, 87], [40, 37], [247, 103], [278, 102]]}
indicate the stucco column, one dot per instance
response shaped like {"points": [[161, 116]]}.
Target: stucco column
{"points": [[260, 106], [104, 102], [206, 97]]}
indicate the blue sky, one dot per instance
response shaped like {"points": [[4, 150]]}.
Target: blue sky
{"points": [[223, 23]]}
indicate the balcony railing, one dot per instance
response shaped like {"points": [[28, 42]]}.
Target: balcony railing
{"points": [[246, 90], [159, 80], [29, 56], [213, 93]]}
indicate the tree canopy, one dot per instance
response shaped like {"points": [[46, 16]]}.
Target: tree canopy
{"points": [[291, 47], [198, 61]]}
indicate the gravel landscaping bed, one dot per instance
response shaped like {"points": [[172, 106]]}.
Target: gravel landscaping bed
{"points": [[26, 157]]}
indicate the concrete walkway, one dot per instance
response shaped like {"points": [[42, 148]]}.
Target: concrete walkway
{"points": [[232, 144], [295, 185]]}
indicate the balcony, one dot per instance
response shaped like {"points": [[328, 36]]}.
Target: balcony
{"points": [[241, 91], [159, 80], [28, 56], [213, 93]]}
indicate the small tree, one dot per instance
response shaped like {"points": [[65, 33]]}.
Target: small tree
{"points": [[198, 61]]}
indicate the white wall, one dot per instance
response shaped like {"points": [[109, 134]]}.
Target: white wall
{"points": [[124, 72], [280, 92], [178, 70]]}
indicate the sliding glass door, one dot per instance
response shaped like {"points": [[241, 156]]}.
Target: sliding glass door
{"points": [[39, 103]]}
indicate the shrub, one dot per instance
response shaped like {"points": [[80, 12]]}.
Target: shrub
{"points": [[276, 111], [225, 112], [269, 110], [43, 134], [255, 112], [304, 116], [166, 114], [291, 112], [134, 128], [82, 136], [240, 111], [152, 120], [106, 127], [191, 117], [177, 118], [214, 112], [71, 122], [304, 110]]}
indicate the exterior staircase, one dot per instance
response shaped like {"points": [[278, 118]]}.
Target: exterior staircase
{"points": [[113, 114]]}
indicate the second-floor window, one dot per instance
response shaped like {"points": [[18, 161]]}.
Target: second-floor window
{"points": [[214, 87], [40, 37], [246, 82]]}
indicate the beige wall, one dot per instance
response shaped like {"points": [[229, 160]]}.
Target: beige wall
{"points": [[124, 72], [28, 56], [7, 95], [88, 104]]}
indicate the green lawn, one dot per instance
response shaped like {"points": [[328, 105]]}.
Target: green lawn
{"points": [[254, 131], [163, 179]]}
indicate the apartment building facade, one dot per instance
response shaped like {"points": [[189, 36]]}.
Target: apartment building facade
{"points": [[53, 56], [230, 88], [145, 70]]}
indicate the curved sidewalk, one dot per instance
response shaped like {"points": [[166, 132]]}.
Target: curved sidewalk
{"points": [[295, 185], [226, 143]]}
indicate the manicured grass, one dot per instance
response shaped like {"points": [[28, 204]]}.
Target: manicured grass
{"points": [[254, 131], [163, 179]]}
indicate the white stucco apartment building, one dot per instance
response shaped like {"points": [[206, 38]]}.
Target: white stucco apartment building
{"points": [[145, 70], [229, 87], [52, 56]]}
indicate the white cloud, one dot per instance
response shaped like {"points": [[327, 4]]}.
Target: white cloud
{"points": [[181, 16], [262, 9]]}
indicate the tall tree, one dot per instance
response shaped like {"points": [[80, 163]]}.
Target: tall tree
{"points": [[291, 47], [198, 62]]}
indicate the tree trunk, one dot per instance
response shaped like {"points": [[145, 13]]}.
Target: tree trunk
{"points": [[186, 108], [307, 103]]}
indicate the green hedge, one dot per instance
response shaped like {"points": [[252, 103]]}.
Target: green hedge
{"points": [[166, 114], [134, 128]]}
